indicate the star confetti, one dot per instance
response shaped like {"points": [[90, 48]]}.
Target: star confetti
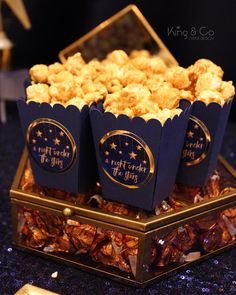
{"points": [[139, 147]]}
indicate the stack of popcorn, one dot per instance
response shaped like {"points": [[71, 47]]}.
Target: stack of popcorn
{"points": [[138, 95]]}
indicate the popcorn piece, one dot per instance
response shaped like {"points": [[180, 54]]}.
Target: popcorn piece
{"points": [[207, 81], [227, 90], [118, 57], [202, 66], [157, 65], [94, 92], [166, 96], [74, 63], [178, 77], [62, 92], [39, 73], [60, 77], [114, 85], [97, 65], [55, 68], [145, 107], [88, 71], [152, 65], [187, 94], [154, 82], [38, 93], [133, 76], [135, 92], [136, 53]]}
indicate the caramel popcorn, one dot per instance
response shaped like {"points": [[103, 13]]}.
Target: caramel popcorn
{"points": [[74, 63], [207, 81], [55, 68], [39, 73], [136, 53], [178, 77], [38, 93], [138, 84], [202, 66], [166, 96], [153, 65], [118, 57]]}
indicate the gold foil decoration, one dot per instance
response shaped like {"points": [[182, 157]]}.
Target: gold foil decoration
{"points": [[139, 147]]}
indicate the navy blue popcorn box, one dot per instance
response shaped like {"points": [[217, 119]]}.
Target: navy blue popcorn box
{"points": [[138, 160], [202, 143], [60, 144]]}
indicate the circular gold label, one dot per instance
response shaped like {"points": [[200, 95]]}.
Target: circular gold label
{"points": [[126, 159], [51, 145], [197, 142]]}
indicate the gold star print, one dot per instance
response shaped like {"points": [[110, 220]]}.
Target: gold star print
{"points": [[196, 126], [126, 143], [56, 141], [61, 133], [39, 133], [139, 147], [190, 134], [133, 155], [33, 140], [106, 153], [144, 162], [113, 146]]}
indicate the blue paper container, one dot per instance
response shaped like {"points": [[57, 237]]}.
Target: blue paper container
{"points": [[138, 160], [60, 145], [202, 142]]}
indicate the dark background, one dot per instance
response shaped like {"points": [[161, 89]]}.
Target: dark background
{"points": [[56, 24]]}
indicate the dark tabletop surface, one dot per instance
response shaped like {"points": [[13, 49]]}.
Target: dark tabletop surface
{"points": [[214, 276]]}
